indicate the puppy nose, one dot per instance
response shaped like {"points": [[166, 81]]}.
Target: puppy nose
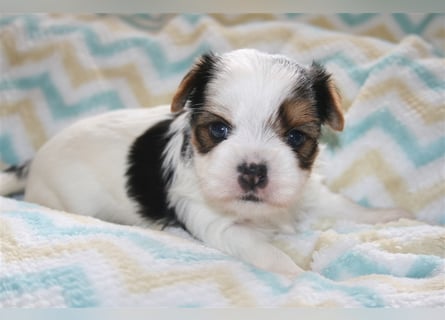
{"points": [[252, 176]]}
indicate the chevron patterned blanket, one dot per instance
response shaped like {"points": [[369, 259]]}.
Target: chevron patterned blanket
{"points": [[58, 68]]}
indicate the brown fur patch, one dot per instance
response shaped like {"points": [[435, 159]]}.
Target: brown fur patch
{"points": [[294, 113], [183, 91], [201, 137], [302, 116], [194, 82], [336, 119]]}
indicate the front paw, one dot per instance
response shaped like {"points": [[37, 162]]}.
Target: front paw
{"points": [[269, 258]]}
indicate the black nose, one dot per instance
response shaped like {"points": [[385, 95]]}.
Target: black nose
{"points": [[252, 176]]}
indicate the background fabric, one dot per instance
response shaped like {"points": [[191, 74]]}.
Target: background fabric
{"points": [[58, 68]]}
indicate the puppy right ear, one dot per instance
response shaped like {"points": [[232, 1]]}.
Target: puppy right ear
{"points": [[327, 97], [195, 81]]}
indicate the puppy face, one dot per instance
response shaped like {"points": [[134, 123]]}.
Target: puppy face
{"points": [[255, 122]]}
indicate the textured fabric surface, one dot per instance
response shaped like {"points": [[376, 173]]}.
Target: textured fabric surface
{"points": [[56, 69], [57, 259]]}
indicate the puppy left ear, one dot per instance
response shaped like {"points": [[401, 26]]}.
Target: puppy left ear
{"points": [[195, 81], [327, 98]]}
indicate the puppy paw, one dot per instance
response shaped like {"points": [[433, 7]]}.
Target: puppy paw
{"points": [[271, 259]]}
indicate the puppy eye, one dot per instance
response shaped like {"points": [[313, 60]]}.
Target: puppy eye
{"points": [[295, 138], [219, 131]]}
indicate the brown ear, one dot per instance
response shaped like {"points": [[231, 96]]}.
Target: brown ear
{"points": [[327, 97], [194, 82], [183, 92]]}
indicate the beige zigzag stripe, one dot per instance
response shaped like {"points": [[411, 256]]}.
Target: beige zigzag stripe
{"points": [[432, 285], [434, 245], [426, 285], [24, 108], [429, 112], [423, 49], [136, 278], [236, 19], [372, 163], [115, 24], [80, 74], [440, 34], [379, 31], [284, 33], [299, 40], [429, 245]]}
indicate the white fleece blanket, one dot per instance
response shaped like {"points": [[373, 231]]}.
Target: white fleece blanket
{"points": [[55, 259], [59, 68]]}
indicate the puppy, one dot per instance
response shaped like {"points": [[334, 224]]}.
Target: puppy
{"points": [[231, 159]]}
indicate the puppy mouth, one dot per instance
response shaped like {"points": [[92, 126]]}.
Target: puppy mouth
{"points": [[251, 198]]}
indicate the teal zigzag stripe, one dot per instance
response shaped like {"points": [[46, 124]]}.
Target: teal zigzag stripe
{"points": [[360, 73], [44, 226], [354, 20], [354, 264], [152, 48], [59, 108], [425, 266], [7, 151], [4, 21], [385, 120], [165, 68], [76, 289], [364, 295], [408, 26]]}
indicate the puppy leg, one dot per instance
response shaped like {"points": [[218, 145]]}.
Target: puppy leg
{"points": [[333, 205], [237, 240], [252, 247]]}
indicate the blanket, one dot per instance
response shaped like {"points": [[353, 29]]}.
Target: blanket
{"points": [[58, 68]]}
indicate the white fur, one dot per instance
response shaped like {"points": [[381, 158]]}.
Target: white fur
{"points": [[82, 169]]}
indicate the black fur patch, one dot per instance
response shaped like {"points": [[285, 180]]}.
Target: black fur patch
{"points": [[20, 171], [146, 181], [186, 148], [204, 73], [322, 94]]}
